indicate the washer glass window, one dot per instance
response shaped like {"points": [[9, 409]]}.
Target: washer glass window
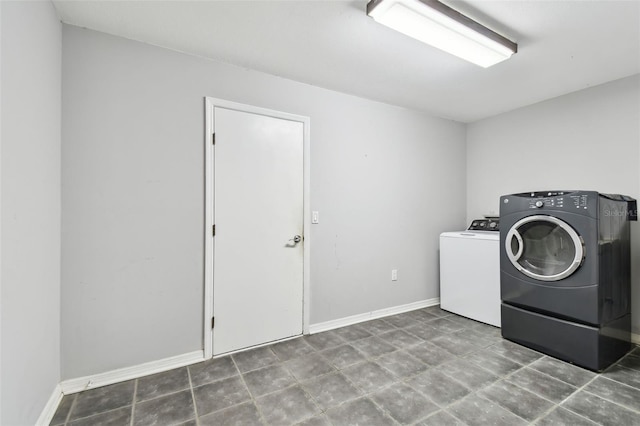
{"points": [[544, 247]]}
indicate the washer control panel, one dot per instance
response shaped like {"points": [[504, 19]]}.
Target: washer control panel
{"points": [[484, 225]]}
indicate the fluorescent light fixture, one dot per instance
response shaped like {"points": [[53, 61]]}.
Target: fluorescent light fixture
{"points": [[438, 25]]}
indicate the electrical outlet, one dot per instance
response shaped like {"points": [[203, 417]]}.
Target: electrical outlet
{"points": [[394, 275]]}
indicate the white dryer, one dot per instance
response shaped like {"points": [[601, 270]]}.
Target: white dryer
{"points": [[470, 273]]}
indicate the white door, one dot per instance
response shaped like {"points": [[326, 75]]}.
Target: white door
{"points": [[258, 217]]}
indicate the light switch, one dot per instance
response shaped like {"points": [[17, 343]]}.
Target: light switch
{"points": [[315, 217]]}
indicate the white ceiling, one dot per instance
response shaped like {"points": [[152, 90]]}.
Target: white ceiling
{"points": [[564, 46]]}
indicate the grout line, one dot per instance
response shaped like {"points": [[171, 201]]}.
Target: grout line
{"points": [[610, 400], [100, 412], [251, 396], [133, 403], [193, 397], [73, 405], [501, 378]]}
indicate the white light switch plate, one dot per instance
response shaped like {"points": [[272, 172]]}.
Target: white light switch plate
{"points": [[315, 217]]}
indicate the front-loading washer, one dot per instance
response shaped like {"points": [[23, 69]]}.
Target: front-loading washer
{"points": [[565, 274]]}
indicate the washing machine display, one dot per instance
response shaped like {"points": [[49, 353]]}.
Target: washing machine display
{"points": [[544, 248], [565, 274]]}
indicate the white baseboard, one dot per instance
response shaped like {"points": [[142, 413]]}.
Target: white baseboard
{"points": [[635, 338], [367, 316], [50, 408], [128, 373]]}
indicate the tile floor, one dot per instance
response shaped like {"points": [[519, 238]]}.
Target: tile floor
{"points": [[425, 367]]}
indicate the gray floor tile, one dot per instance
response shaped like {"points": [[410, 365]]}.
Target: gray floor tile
{"points": [[172, 409], [467, 373], [372, 347], [326, 340], [102, 399], [438, 387], [631, 361], [319, 420], [424, 331], [239, 415], [515, 352], [562, 417], [292, 349], [435, 310], [368, 376], [566, 372], [401, 364], [600, 410], [475, 410], [360, 412], [398, 380], [308, 366], [378, 326], [254, 359], [219, 395], [421, 315], [352, 333], [156, 385], [343, 356], [403, 403], [331, 390], [430, 354], [623, 375], [454, 344], [493, 362], [268, 379], [477, 338], [400, 320], [400, 339], [212, 370], [445, 325], [441, 418], [614, 391], [465, 322], [117, 417], [60, 416], [546, 386], [287, 407], [488, 329], [517, 400]]}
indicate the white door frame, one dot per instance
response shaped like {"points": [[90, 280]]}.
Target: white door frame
{"points": [[210, 104]]}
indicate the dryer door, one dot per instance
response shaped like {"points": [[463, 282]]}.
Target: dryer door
{"points": [[544, 248]]}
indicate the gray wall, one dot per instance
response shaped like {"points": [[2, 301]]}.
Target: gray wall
{"points": [[30, 212], [585, 140], [386, 181]]}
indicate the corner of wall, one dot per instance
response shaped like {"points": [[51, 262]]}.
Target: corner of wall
{"points": [[30, 209]]}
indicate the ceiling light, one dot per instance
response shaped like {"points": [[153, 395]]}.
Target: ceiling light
{"points": [[440, 26]]}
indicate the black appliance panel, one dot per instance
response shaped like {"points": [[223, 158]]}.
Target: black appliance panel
{"points": [[581, 315], [589, 346]]}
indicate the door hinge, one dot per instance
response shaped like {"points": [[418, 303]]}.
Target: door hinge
{"points": [[213, 230], [213, 321], [213, 139]]}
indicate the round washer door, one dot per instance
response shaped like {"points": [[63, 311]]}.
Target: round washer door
{"points": [[544, 248]]}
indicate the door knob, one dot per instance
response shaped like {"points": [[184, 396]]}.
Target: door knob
{"points": [[296, 239]]}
